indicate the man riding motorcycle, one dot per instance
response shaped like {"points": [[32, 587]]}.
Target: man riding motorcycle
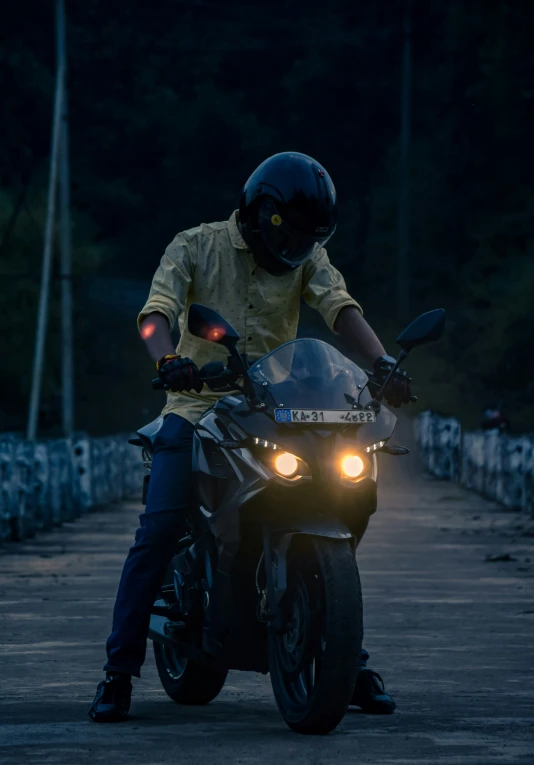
{"points": [[253, 269]]}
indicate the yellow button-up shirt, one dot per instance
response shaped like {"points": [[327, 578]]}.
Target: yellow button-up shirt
{"points": [[212, 265]]}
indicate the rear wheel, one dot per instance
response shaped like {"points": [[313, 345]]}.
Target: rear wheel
{"points": [[315, 661], [184, 681]]}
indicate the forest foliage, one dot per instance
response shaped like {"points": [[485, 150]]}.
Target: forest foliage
{"points": [[174, 103]]}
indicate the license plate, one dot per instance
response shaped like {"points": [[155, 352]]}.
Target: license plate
{"points": [[331, 416]]}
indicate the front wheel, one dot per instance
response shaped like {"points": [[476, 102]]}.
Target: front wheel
{"points": [[184, 681], [315, 661]]}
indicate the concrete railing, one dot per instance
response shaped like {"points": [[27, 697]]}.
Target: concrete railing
{"points": [[45, 483], [499, 466]]}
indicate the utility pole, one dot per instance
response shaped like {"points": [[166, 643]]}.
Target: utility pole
{"points": [[59, 164], [42, 313], [67, 387], [403, 211]]}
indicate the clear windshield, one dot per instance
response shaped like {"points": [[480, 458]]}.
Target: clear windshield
{"points": [[309, 374]]}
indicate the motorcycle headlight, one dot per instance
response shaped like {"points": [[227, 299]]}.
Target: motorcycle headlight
{"points": [[284, 464], [352, 466]]}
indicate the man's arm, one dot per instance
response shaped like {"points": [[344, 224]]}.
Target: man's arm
{"points": [[177, 373], [324, 289], [167, 298], [357, 333], [155, 332]]}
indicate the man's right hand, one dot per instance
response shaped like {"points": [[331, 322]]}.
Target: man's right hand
{"points": [[179, 373]]}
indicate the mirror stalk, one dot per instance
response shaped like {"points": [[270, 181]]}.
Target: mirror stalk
{"points": [[402, 355], [248, 388]]}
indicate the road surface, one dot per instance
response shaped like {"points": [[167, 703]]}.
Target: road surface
{"points": [[452, 634]]}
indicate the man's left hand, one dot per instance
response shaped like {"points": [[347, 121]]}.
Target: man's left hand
{"points": [[398, 389]]}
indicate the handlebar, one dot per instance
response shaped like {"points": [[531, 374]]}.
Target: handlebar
{"points": [[213, 371], [210, 372]]}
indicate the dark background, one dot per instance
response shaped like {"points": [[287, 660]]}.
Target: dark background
{"points": [[173, 104]]}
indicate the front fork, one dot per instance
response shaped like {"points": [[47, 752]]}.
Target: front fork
{"points": [[275, 548]]}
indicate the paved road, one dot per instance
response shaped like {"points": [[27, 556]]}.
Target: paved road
{"points": [[452, 634]]}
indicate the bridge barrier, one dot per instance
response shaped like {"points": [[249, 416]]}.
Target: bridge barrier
{"points": [[46, 483], [494, 464]]}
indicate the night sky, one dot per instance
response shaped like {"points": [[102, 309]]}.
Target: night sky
{"points": [[171, 108]]}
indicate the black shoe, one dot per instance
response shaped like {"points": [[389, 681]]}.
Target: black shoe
{"points": [[370, 694], [112, 700]]}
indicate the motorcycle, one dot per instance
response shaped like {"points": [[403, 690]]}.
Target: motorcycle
{"points": [[266, 579]]}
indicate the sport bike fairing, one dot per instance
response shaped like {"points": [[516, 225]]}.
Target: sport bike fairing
{"points": [[309, 374], [232, 467]]}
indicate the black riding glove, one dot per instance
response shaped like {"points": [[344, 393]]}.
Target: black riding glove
{"points": [[179, 373], [398, 390]]}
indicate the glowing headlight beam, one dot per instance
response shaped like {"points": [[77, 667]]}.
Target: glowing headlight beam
{"points": [[352, 466], [286, 464]]}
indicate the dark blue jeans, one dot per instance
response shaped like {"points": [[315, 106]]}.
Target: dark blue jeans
{"points": [[170, 493]]}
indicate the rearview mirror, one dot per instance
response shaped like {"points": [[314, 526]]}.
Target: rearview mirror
{"points": [[426, 328], [209, 325]]}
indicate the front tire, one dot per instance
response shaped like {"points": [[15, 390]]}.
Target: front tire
{"points": [[184, 681], [314, 663]]}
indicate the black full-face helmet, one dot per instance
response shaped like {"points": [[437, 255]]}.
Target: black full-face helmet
{"points": [[288, 207]]}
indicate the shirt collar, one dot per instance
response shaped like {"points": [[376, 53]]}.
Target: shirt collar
{"points": [[235, 235]]}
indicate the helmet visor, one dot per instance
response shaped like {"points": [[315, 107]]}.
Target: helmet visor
{"points": [[285, 242]]}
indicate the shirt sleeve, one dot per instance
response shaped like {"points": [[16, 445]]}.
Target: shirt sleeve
{"points": [[324, 288], [171, 282]]}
